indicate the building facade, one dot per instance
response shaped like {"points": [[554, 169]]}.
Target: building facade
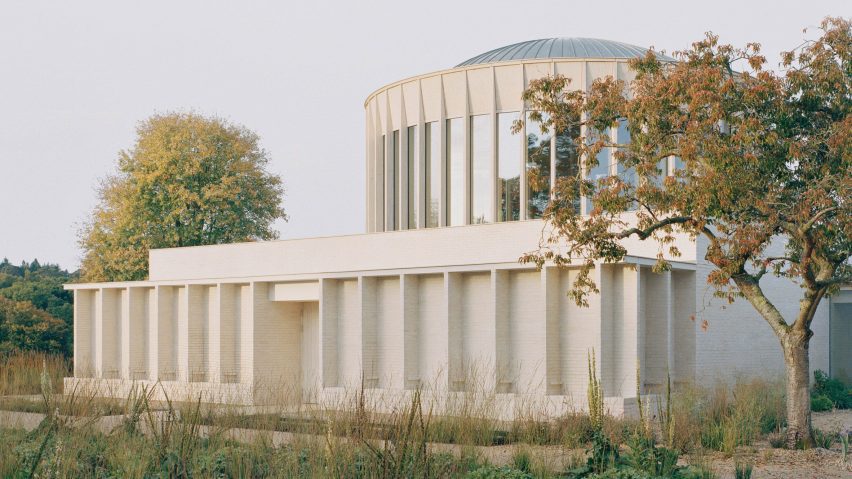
{"points": [[433, 296]]}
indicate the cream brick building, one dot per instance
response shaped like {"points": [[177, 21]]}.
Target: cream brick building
{"points": [[433, 295]]}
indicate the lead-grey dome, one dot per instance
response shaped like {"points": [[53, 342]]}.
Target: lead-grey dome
{"points": [[559, 48]]}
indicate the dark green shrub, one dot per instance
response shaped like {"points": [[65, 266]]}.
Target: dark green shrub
{"points": [[821, 402], [832, 388]]}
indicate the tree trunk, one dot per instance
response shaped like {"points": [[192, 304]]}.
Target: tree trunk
{"points": [[798, 389]]}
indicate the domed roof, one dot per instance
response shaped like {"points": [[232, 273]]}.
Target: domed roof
{"points": [[563, 47]]}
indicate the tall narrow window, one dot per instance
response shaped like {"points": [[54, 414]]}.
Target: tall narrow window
{"points": [[538, 168], [604, 168], [482, 169], [568, 164], [628, 175], [393, 184], [508, 169], [432, 168], [455, 171], [382, 180], [411, 190]]}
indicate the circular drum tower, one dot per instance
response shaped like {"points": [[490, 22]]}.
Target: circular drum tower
{"points": [[440, 151]]}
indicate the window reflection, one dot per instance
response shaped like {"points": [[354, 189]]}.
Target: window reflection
{"points": [[508, 169], [432, 168], [568, 158], [455, 171], [412, 177], [538, 168], [481, 153], [628, 175], [604, 168]]}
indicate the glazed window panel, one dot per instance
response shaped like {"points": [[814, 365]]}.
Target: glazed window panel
{"points": [[629, 175], [604, 167], [384, 202], [508, 168], [568, 164], [537, 168], [622, 137], [432, 167], [455, 171], [482, 169], [411, 190], [393, 184]]}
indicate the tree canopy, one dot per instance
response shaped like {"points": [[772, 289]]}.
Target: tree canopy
{"points": [[189, 180], [36, 313], [764, 161]]}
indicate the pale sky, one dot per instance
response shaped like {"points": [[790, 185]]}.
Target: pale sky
{"points": [[76, 77]]}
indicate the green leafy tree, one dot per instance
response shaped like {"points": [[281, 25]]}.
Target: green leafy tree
{"points": [[27, 328], [765, 181], [41, 286], [189, 180]]}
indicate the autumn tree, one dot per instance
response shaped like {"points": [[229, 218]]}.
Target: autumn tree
{"points": [[765, 180], [24, 327], [188, 180]]}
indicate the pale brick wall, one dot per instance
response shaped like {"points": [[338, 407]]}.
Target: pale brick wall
{"points": [[737, 341], [433, 332], [491, 327], [526, 340]]}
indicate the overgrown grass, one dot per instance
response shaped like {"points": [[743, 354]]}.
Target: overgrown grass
{"points": [[20, 372], [353, 439], [725, 417]]}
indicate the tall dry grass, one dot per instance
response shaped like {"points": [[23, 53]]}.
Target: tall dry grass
{"points": [[355, 435], [20, 372]]}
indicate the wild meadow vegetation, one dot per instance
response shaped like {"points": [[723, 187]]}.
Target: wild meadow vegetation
{"points": [[85, 436]]}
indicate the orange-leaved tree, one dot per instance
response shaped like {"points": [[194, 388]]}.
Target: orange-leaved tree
{"points": [[765, 165]]}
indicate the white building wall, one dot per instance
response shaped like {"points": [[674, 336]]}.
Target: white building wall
{"points": [[84, 333], [433, 332], [527, 333], [656, 335], [684, 325], [580, 333], [476, 334], [734, 340], [348, 335]]}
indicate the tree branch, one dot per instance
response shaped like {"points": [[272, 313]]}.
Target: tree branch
{"points": [[751, 290], [646, 232], [805, 227]]}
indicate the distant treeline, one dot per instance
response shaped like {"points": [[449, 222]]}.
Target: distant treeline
{"points": [[36, 314]]}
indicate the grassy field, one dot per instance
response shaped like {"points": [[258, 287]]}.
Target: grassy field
{"points": [[700, 434]]}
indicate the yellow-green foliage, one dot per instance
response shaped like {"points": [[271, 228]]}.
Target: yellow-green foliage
{"points": [[188, 180]]}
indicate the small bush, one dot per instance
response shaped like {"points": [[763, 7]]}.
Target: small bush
{"points": [[833, 389], [522, 460], [821, 402], [742, 470], [776, 439], [823, 439]]}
